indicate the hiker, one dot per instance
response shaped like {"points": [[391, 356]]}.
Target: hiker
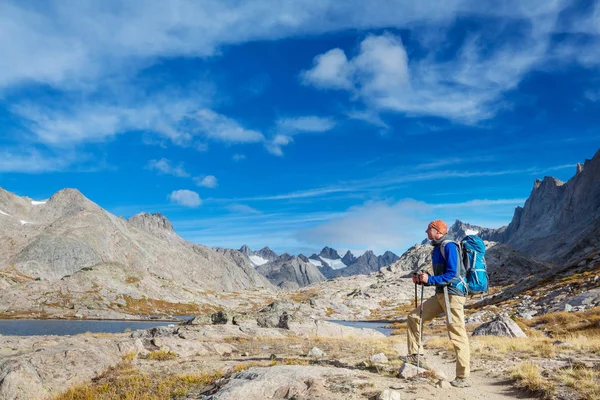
{"points": [[448, 276]]}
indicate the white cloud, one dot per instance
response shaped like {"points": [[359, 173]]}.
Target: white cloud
{"points": [[72, 125], [467, 88], [33, 161], [378, 226], [208, 181], [242, 209], [310, 123], [186, 198], [274, 146], [164, 166], [381, 226], [238, 157], [330, 70], [219, 127]]}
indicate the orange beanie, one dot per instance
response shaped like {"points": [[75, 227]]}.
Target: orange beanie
{"points": [[439, 225]]}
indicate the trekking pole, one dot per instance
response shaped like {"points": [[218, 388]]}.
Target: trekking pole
{"points": [[415, 295], [420, 329]]}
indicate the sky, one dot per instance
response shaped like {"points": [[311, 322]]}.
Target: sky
{"points": [[298, 124]]}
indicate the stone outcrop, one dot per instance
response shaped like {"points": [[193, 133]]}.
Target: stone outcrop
{"points": [[500, 326]]}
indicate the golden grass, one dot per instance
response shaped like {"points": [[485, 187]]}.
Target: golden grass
{"points": [[132, 279], [564, 323], [125, 382], [150, 306], [129, 356], [302, 295], [496, 347], [584, 381], [162, 355], [528, 377]]}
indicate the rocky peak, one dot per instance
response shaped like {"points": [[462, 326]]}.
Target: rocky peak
{"points": [[266, 253], [69, 202], [460, 229], [151, 222], [303, 257], [246, 251], [557, 217], [329, 253], [387, 258], [348, 258]]}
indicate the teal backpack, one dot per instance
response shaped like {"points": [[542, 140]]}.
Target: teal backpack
{"points": [[473, 255], [472, 249]]}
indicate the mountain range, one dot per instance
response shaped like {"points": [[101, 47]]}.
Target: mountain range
{"points": [[67, 253], [328, 261]]}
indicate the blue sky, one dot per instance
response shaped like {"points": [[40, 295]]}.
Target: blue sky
{"points": [[298, 124]]}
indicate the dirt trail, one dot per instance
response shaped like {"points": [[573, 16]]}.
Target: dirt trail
{"points": [[484, 385]]}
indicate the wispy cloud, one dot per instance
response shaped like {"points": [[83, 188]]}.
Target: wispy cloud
{"points": [[209, 181], [220, 127], [238, 157], [286, 128], [185, 198], [34, 161], [164, 166], [391, 180], [310, 123], [481, 203], [242, 209]]}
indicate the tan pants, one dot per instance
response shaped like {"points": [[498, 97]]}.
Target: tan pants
{"points": [[433, 307]]}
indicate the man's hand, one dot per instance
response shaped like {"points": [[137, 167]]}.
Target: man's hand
{"points": [[421, 278]]}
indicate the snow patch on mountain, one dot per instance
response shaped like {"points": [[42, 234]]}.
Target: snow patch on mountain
{"points": [[316, 263], [3, 213], [37, 203], [335, 264], [257, 260], [471, 232]]}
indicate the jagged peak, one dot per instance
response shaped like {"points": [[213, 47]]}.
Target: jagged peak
{"points": [[547, 181], [148, 221], [579, 169]]}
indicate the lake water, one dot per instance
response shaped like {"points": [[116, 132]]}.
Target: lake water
{"points": [[378, 326], [25, 327]]}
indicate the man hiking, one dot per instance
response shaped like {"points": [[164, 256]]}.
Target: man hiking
{"points": [[450, 291]]}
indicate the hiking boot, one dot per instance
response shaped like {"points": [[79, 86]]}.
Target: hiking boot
{"points": [[412, 359], [460, 383]]}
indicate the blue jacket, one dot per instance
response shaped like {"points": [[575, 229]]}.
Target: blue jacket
{"points": [[449, 270]]}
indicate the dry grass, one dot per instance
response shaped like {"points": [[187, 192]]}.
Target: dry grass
{"points": [[527, 376], [497, 348], [162, 355], [132, 279], [564, 323], [150, 306], [302, 295], [125, 382], [584, 381]]}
